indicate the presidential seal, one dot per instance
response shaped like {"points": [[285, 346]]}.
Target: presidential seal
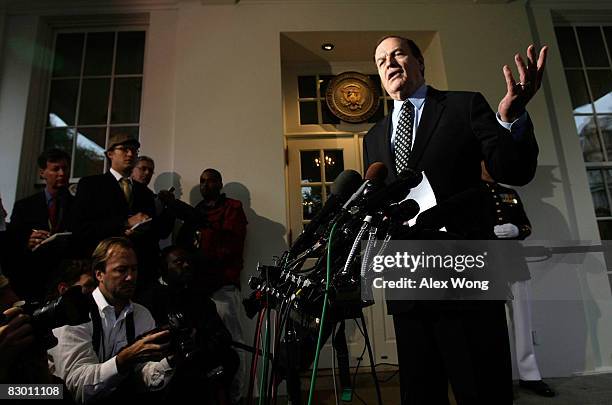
{"points": [[352, 97]]}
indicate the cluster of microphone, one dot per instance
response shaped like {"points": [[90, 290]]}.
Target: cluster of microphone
{"points": [[360, 209]]}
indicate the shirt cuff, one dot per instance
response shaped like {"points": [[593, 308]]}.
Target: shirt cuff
{"points": [[516, 127], [109, 369]]}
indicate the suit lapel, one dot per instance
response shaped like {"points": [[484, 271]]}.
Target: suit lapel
{"points": [[385, 144], [434, 106], [42, 210]]}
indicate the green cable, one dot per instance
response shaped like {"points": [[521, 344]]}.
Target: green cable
{"points": [[315, 364]]}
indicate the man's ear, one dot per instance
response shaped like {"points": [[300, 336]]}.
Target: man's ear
{"points": [[40, 173], [99, 275]]}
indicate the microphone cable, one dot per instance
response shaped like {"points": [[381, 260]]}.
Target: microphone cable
{"points": [[315, 364]]}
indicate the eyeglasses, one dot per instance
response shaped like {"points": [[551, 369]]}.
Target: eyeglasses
{"points": [[125, 148]]}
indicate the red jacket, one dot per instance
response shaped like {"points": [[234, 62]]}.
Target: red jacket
{"points": [[222, 241]]}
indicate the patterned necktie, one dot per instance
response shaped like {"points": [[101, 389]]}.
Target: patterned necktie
{"points": [[127, 190], [403, 136]]}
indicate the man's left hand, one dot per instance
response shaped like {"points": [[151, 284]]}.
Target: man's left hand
{"points": [[512, 106]]}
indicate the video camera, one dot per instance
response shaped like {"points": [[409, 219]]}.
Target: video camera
{"points": [[186, 344]]}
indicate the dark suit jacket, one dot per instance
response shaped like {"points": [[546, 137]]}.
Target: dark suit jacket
{"points": [[456, 131], [32, 213], [31, 272], [101, 211]]}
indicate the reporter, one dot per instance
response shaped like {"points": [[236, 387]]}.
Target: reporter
{"points": [[103, 358]]}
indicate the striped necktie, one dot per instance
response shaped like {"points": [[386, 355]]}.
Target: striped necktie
{"points": [[403, 136]]}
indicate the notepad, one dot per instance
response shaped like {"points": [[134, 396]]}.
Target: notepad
{"points": [[140, 223], [59, 235]]}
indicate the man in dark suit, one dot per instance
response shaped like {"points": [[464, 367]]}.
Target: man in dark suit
{"points": [[35, 219], [446, 135], [112, 204]]}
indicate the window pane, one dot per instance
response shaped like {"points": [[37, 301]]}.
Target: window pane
{"points": [[605, 126], [600, 200], [323, 83], [311, 201], [601, 86], [307, 87], [62, 102], [568, 47], [310, 166], [126, 100], [99, 53], [130, 52], [60, 138], [334, 163], [68, 55], [589, 141], [605, 232], [380, 112], [89, 154], [608, 35], [376, 80], [608, 175], [308, 113], [592, 46], [578, 91], [132, 131], [94, 101], [327, 116]]}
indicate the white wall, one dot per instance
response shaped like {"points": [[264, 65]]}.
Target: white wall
{"points": [[17, 59]]}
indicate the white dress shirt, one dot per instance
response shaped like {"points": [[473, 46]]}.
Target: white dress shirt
{"points": [[89, 376]]}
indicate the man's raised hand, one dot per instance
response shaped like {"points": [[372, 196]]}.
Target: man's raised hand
{"points": [[518, 94]]}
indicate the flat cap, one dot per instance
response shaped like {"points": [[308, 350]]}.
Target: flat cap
{"points": [[121, 138]]}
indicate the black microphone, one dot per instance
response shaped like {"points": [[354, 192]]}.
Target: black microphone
{"points": [[343, 187], [396, 191], [374, 179], [405, 211]]}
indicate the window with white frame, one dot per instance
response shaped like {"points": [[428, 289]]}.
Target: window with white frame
{"points": [[587, 61], [94, 90]]}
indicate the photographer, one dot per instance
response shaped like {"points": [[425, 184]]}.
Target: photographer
{"points": [[73, 272], [102, 357], [208, 362]]}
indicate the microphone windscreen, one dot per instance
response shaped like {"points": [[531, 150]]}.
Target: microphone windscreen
{"points": [[346, 183], [410, 177], [377, 172], [408, 209]]}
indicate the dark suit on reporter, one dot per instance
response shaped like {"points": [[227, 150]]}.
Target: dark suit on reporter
{"points": [[31, 272], [101, 211], [465, 343]]}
